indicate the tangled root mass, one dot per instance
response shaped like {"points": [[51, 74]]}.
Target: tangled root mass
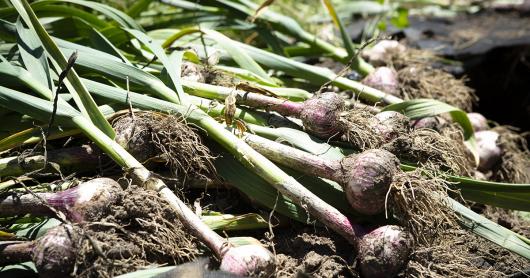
{"points": [[437, 151], [418, 78], [359, 130], [152, 136], [419, 203]]}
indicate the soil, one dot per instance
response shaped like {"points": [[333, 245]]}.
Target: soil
{"points": [[461, 254], [304, 251], [141, 230], [307, 251]]}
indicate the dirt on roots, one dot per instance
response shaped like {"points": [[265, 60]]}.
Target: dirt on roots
{"points": [[419, 79], [359, 129], [430, 149], [419, 204], [433, 151], [457, 253], [303, 251], [158, 137], [141, 230]]}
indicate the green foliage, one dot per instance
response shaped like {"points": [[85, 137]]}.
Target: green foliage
{"points": [[83, 99], [400, 18], [346, 39], [138, 7], [171, 66]]}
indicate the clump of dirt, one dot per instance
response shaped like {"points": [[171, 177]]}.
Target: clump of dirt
{"points": [[141, 230], [303, 251], [328, 63], [514, 166], [157, 137]]}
